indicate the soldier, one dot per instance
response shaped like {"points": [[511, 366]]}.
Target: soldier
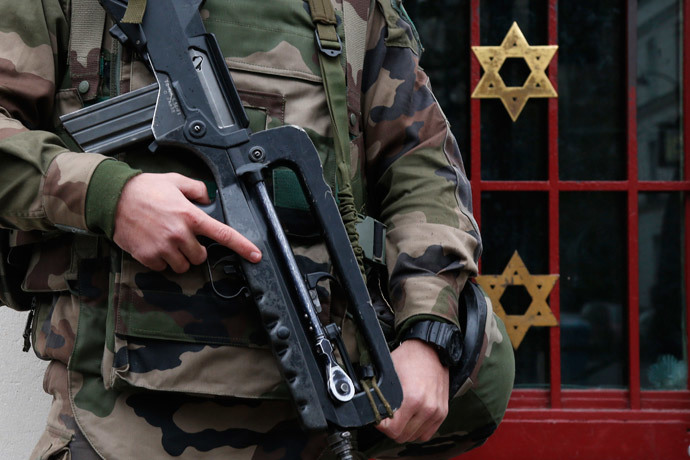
{"points": [[144, 363]]}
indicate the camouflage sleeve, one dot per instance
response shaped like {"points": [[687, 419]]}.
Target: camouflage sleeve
{"points": [[415, 177], [42, 184]]}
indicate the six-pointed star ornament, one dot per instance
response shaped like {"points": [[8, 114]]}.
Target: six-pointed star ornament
{"points": [[492, 58], [538, 286]]}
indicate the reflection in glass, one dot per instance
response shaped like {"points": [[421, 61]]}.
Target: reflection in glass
{"points": [[518, 221], [444, 29], [593, 289], [514, 150], [663, 359], [591, 90], [659, 136]]}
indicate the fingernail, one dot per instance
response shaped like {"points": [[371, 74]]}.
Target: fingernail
{"points": [[255, 257]]}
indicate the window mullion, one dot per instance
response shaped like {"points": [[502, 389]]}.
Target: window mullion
{"points": [[554, 244], [686, 164], [633, 218]]}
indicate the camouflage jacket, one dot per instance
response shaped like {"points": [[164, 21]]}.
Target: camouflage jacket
{"points": [[102, 313]]}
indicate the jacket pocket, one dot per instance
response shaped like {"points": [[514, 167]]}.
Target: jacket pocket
{"points": [[197, 333], [48, 267]]}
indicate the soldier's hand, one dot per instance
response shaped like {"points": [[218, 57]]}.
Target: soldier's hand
{"points": [[157, 223], [425, 387]]}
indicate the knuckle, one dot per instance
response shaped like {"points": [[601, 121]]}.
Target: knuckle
{"points": [[152, 262], [395, 434], [393, 430], [159, 267], [200, 188], [426, 437], [427, 411], [415, 401], [190, 215], [180, 267], [197, 257], [145, 257], [177, 234], [438, 414]]}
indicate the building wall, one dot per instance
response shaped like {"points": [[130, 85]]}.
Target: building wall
{"points": [[23, 404]]}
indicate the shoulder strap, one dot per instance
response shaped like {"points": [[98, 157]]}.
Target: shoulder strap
{"points": [[330, 51], [334, 81], [86, 36], [355, 17]]}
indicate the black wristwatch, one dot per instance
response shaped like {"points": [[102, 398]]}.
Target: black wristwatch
{"points": [[446, 338]]}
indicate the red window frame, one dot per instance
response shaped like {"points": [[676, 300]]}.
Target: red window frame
{"points": [[591, 424]]}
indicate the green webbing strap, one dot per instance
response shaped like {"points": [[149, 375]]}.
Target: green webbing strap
{"points": [[323, 17], [135, 12], [355, 20], [333, 76], [86, 35]]}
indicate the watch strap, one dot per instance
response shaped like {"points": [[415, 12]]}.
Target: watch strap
{"points": [[436, 333]]}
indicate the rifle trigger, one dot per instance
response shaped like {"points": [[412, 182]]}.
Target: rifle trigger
{"points": [[314, 278]]}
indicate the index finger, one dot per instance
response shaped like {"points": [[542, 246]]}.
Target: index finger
{"points": [[227, 236]]}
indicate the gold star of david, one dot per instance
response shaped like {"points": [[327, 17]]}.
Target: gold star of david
{"points": [[538, 286], [514, 45]]}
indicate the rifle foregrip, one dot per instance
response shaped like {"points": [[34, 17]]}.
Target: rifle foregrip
{"points": [[287, 348]]}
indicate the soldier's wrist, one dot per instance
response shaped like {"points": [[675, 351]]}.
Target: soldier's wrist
{"points": [[103, 194], [445, 338]]}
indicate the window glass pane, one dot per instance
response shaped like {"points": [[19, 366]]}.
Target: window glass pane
{"points": [[444, 28], [593, 289], [663, 359], [518, 221], [591, 90], [514, 150], [659, 138]]}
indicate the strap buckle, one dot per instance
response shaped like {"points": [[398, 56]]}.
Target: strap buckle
{"points": [[330, 52], [372, 239]]}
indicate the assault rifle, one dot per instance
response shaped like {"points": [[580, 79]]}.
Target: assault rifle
{"points": [[195, 106]]}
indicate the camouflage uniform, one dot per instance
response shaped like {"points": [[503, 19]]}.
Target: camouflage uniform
{"points": [[101, 318]]}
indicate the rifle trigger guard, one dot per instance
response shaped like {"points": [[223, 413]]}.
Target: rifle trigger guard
{"points": [[230, 268]]}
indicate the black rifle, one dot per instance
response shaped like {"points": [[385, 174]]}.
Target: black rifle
{"points": [[195, 106]]}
